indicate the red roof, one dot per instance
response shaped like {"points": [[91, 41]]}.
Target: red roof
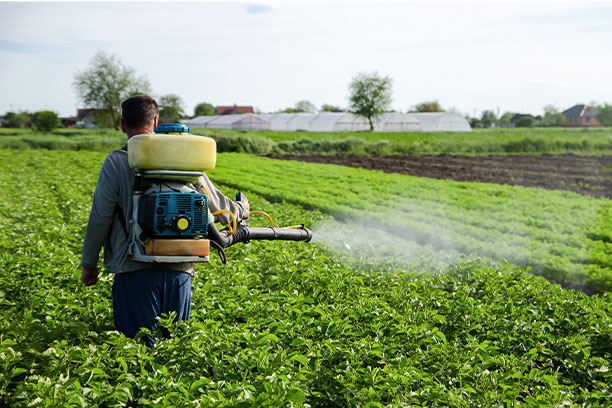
{"points": [[228, 110]]}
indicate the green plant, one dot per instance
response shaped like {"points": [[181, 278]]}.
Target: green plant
{"points": [[287, 324], [46, 121]]}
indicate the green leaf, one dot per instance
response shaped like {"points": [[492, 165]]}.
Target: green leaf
{"points": [[300, 359]]}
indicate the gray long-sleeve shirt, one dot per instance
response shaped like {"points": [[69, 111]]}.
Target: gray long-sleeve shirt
{"points": [[104, 229]]}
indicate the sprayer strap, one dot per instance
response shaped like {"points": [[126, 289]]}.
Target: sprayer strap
{"points": [[119, 213]]}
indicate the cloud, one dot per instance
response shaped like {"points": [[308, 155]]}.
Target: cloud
{"points": [[258, 9]]}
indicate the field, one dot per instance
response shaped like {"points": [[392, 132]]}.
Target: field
{"points": [[596, 141], [405, 298], [590, 175], [480, 141]]}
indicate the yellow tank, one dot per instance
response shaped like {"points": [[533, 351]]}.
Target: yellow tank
{"points": [[176, 151]]}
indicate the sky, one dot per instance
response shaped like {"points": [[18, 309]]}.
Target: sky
{"points": [[514, 56]]}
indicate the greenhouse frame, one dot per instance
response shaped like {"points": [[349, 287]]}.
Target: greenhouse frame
{"points": [[335, 122]]}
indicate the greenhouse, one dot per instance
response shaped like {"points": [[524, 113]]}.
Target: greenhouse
{"points": [[397, 122], [238, 121], [335, 122], [442, 122], [198, 122], [278, 121]]}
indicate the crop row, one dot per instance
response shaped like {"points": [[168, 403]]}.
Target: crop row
{"points": [[561, 234], [482, 141], [283, 323]]}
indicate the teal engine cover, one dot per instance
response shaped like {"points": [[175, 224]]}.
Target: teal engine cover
{"points": [[173, 214]]}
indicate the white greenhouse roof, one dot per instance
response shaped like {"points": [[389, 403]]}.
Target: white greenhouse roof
{"points": [[442, 121], [397, 122], [199, 121], [336, 122], [278, 121], [325, 121], [301, 121], [350, 122]]}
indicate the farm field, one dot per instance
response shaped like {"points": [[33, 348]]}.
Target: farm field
{"points": [[478, 142], [312, 324], [590, 175], [562, 235], [594, 141]]}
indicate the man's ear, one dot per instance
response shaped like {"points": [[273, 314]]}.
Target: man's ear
{"points": [[156, 120], [123, 129]]}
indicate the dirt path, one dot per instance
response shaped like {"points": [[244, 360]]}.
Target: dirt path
{"points": [[589, 175]]}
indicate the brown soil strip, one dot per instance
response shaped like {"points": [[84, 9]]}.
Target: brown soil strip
{"points": [[589, 175]]}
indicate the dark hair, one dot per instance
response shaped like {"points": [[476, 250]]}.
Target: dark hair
{"points": [[138, 111]]}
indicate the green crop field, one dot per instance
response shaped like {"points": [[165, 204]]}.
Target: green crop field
{"points": [[409, 296], [480, 141], [563, 235]]}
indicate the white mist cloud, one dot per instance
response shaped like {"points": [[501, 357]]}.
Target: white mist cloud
{"points": [[360, 242]]}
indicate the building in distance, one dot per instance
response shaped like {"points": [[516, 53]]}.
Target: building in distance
{"points": [[581, 115], [233, 110]]}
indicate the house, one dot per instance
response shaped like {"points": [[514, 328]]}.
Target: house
{"points": [[581, 115], [232, 110], [68, 122], [86, 118]]}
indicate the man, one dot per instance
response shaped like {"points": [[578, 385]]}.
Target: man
{"points": [[141, 291]]}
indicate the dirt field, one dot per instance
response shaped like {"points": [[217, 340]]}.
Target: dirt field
{"points": [[590, 175]]}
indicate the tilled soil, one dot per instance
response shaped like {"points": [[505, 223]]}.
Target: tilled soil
{"points": [[589, 175]]}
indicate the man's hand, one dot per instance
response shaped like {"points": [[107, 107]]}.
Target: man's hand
{"points": [[247, 209], [89, 276]]}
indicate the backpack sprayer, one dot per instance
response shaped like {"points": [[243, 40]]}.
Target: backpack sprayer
{"points": [[171, 220]]}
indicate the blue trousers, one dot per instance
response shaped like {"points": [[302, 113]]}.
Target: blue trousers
{"points": [[140, 296]]}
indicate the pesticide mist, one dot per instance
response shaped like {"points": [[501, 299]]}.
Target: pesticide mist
{"points": [[373, 246]]}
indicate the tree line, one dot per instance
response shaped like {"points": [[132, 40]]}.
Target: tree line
{"points": [[106, 82]]}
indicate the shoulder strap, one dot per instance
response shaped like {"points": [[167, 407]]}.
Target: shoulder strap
{"points": [[119, 213]]}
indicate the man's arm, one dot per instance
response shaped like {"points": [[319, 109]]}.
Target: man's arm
{"points": [[218, 201], [100, 221]]}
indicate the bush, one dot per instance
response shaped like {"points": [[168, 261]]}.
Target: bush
{"points": [[244, 144], [46, 121], [525, 121], [382, 147]]}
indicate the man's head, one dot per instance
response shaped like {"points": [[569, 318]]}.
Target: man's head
{"points": [[139, 114]]}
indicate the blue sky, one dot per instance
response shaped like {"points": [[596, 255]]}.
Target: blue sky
{"points": [[511, 56]]}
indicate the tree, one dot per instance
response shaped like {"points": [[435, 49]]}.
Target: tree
{"points": [[488, 118], [106, 82], [552, 116], [370, 95], [506, 118], [525, 121], [605, 115], [475, 123], [170, 108], [204, 109], [45, 121], [18, 120], [330, 108], [305, 106], [428, 106]]}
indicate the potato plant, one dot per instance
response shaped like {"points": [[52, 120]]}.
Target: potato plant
{"points": [[562, 235], [283, 324]]}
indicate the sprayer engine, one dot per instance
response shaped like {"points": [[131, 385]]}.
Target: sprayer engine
{"points": [[173, 214]]}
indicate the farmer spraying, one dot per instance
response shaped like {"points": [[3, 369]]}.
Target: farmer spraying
{"points": [[141, 291], [154, 212]]}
